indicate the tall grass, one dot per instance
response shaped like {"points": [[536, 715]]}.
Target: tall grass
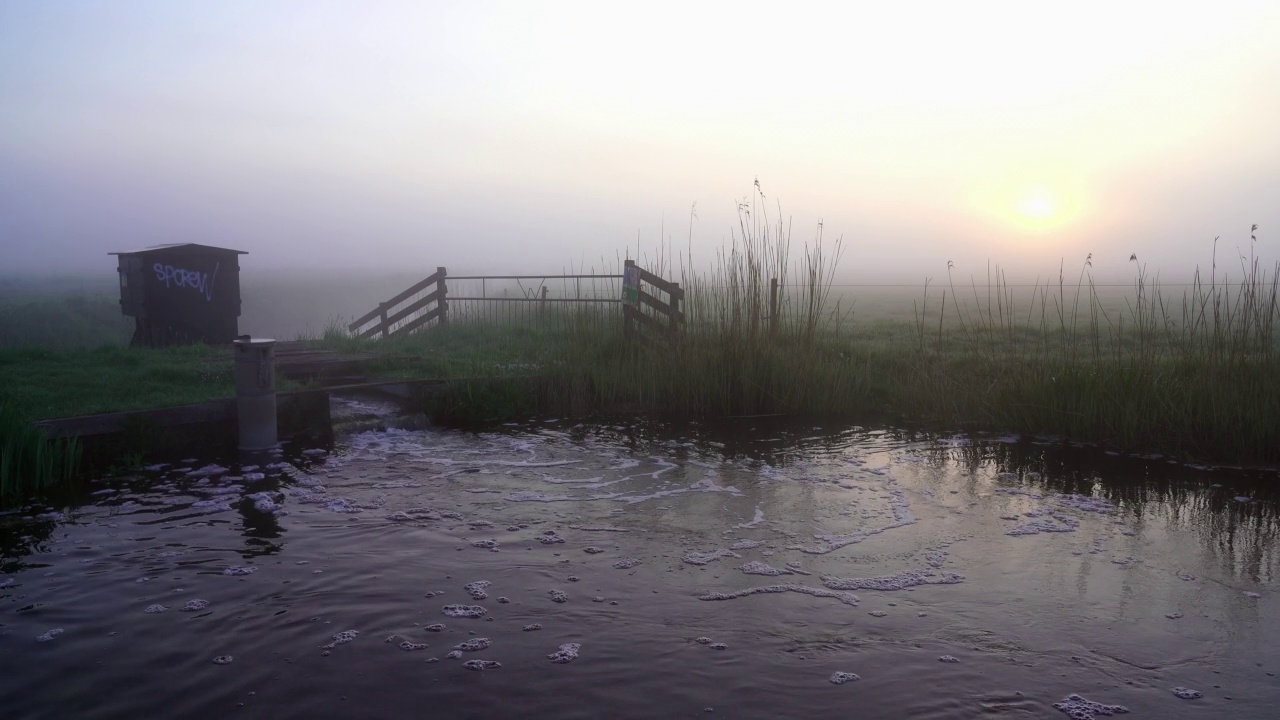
{"points": [[30, 463], [1195, 374]]}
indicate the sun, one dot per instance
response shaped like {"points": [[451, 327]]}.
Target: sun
{"points": [[1031, 207]]}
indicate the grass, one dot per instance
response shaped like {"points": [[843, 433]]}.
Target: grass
{"points": [[30, 463], [45, 383], [1195, 374]]}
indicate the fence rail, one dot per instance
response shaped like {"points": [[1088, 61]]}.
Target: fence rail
{"points": [[651, 306], [664, 322]]}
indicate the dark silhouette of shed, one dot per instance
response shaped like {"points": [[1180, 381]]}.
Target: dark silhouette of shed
{"points": [[181, 293]]}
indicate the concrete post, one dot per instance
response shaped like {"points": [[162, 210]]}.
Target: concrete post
{"points": [[256, 392]]}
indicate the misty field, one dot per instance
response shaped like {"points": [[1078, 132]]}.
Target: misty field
{"points": [[1191, 370]]}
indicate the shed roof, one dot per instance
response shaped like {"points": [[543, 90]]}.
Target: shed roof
{"points": [[175, 246]]}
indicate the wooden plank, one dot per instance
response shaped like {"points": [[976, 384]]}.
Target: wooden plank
{"points": [[670, 288], [645, 321], [417, 288], [419, 321], [412, 308]]}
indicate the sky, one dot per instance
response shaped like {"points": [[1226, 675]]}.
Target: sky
{"points": [[532, 136]]}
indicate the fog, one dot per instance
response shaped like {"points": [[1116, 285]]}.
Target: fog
{"points": [[380, 137]]}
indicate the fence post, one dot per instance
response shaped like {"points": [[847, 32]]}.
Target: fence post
{"points": [[442, 301], [543, 306], [773, 306], [382, 314], [674, 294]]}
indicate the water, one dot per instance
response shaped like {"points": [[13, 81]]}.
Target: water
{"points": [[569, 571]]}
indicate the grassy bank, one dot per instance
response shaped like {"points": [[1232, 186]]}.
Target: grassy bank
{"points": [[1194, 373], [46, 383]]}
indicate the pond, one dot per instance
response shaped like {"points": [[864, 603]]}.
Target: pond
{"points": [[753, 569]]}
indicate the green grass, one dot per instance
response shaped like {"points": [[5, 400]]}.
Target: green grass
{"points": [[62, 322], [30, 463], [60, 383]]}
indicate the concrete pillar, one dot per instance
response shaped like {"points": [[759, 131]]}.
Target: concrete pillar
{"points": [[256, 392]]}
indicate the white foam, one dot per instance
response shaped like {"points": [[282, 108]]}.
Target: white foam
{"points": [[476, 589], [558, 596], [434, 627], [626, 563], [568, 652], [948, 659], [481, 664], [755, 520], [847, 598], [755, 567], [592, 550], [1187, 693], [49, 635], [341, 638], [840, 677], [473, 645], [693, 557], [745, 544], [898, 581], [1087, 503], [531, 627], [222, 660], [155, 609], [877, 613], [193, 605], [239, 570], [1078, 708], [464, 611], [453, 655], [1050, 523]]}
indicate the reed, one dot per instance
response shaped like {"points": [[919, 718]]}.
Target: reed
{"points": [[30, 463]]}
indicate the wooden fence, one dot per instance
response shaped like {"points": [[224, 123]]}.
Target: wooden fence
{"points": [[646, 317], [651, 306], [387, 314]]}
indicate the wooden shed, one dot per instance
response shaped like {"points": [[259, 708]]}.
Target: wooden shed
{"points": [[181, 293]]}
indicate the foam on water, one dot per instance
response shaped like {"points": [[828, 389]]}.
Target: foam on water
{"points": [[899, 581], [568, 652], [341, 638], [755, 520], [592, 550], [550, 537], [240, 570], [948, 659], [531, 627], [223, 660], [49, 635], [434, 627], [481, 664], [1049, 523], [453, 655], [476, 589], [745, 544], [755, 567], [464, 611], [473, 645], [626, 563], [558, 596], [155, 609], [841, 677], [1078, 708], [411, 646], [693, 557], [1187, 693], [847, 598], [1087, 503]]}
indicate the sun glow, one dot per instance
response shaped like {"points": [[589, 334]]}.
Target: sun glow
{"points": [[1032, 207]]}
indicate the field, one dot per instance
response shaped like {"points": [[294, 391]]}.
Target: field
{"points": [[1189, 370]]}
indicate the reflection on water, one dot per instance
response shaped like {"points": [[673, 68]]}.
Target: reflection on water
{"points": [[757, 569]]}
